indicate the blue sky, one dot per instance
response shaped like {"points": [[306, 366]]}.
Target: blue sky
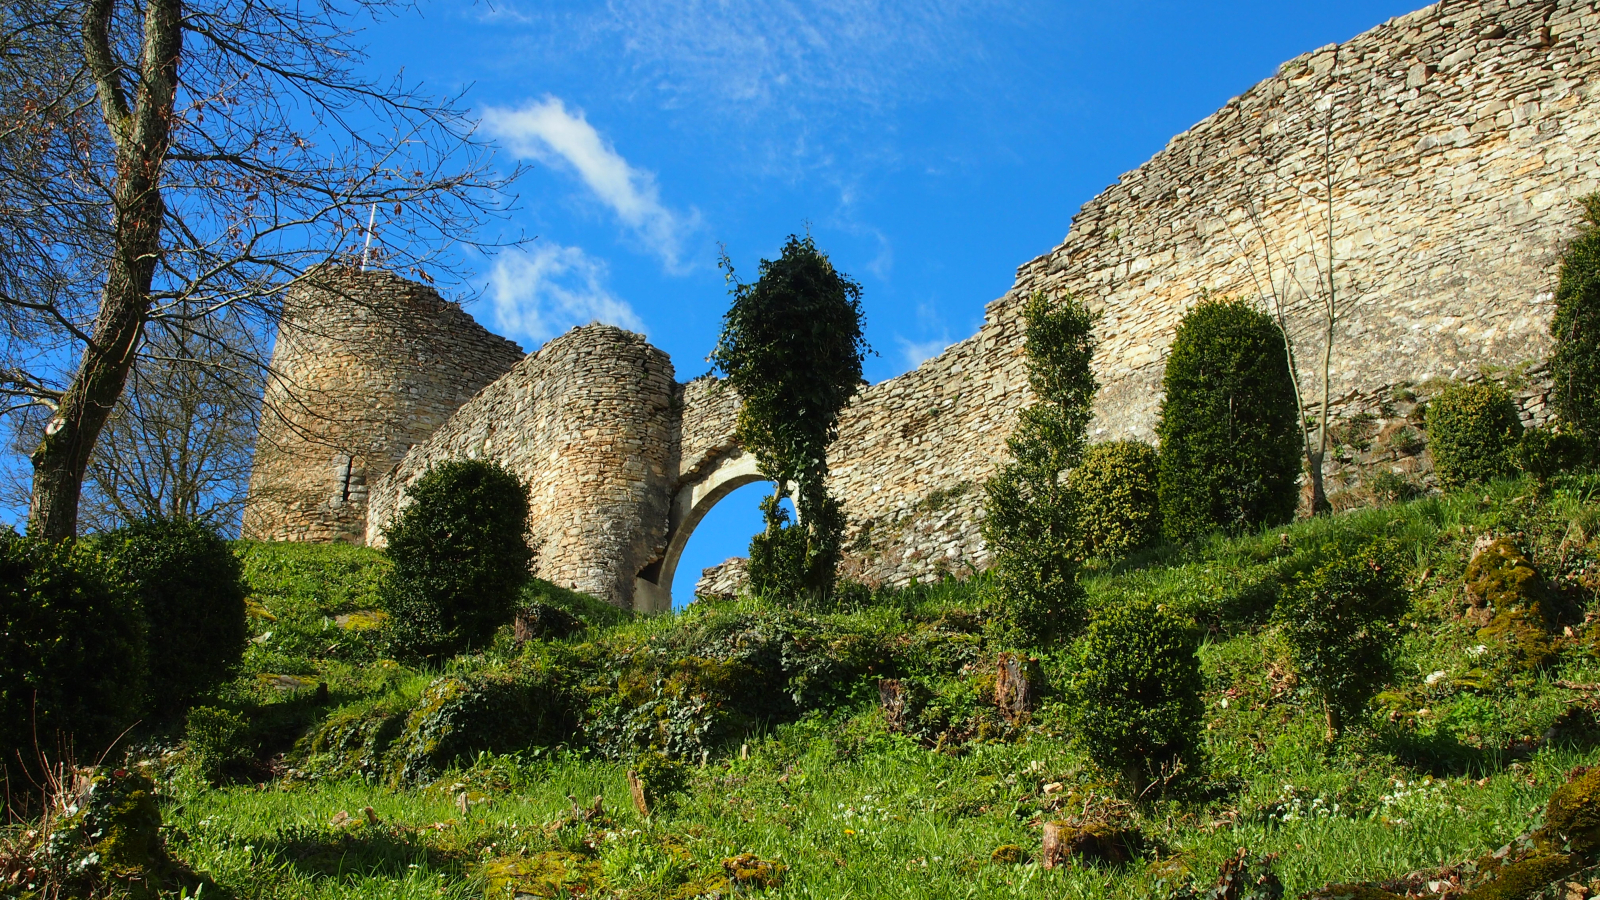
{"points": [[930, 147]]}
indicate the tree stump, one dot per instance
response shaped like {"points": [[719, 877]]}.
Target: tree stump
{"points": [[1013, 689]]}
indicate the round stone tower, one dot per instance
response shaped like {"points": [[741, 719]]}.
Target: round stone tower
{"points": [[366, 365]]}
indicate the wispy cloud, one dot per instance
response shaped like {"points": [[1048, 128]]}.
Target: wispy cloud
{"points": [[542, 290], [915, 353], [549, 132]]}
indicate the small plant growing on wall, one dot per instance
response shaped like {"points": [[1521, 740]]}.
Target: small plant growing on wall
{"points": [[1230, 433], [1473, 431], [1575, 360], [791, 346], [460, 555], [1030, 514]]}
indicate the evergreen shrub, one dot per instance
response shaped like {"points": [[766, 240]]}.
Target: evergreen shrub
{"points": [[460, 558], [72, 651], [1473, 432], [1136, 692], [1030, 516], [1545, 453], [191, 589], [1340, 620], [1231, 445], [218, 742], [1575, 359], [1116, 491]]}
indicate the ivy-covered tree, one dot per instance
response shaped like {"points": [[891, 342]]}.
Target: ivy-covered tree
{"points": [[1575, 361], [792, 347], [1230, 433], [1030, 516]]}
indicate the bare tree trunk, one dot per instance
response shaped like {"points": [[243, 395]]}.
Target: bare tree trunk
{"points": [[140, 134]]}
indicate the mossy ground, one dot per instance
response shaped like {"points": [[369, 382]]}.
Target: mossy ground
{"points": [[1457, 760]]}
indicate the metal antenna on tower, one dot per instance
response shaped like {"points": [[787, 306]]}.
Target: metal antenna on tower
{"points": [[367, 248]]}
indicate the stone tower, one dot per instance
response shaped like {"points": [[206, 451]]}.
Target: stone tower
{"points": [[366, 365]]}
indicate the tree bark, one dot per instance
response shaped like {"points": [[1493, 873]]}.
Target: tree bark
{"points": [[141, 135]]}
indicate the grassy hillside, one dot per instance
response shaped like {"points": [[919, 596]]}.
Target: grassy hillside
{"points": [[785, 753]]}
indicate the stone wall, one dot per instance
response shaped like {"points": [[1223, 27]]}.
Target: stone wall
{"points": [[366, 364], [1461, 137], [589, 422]]}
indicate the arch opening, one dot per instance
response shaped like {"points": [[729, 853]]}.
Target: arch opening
{"points": [[734, 470]]}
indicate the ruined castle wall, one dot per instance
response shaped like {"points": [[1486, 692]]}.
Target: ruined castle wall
{"points": [[1461, 136], [366, 364], [589, 422]]}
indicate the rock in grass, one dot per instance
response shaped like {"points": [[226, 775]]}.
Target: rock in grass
{"points": [[1506, 595], [554, 873], [751, 871]]}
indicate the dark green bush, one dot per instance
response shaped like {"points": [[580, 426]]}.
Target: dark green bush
{"points": [[1544, 453], [529, 703], [1575, 359], [460, 557], [219, 742], [1340, 623], [1119, 504], [1473, 431], [72, 651], [191, 589], [1135, 692], [1231, 445], [1030, 516], [791, 346]]}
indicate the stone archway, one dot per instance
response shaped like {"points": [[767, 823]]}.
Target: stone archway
{"points": [[652, 590]]}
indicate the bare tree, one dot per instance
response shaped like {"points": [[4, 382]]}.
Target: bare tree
{"points": [[170, 161], [181, 440], [1280, 286]]}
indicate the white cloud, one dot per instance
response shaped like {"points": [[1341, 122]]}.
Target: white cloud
{"points": [[918, 352], [547, 131], [539, 291]]}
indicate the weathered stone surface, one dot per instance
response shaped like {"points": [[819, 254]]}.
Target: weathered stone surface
{"points": [[1461, 136], [366, 364], [589, 423]]}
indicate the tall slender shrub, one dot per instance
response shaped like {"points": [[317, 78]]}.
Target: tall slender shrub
{"points": [[1473, 433], [1230, 435], [191, 590], [791, 346], [1575, 359], [460, 557], [1030, 516]]}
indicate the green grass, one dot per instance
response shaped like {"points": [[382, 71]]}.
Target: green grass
{"points": [[1448, 768]]}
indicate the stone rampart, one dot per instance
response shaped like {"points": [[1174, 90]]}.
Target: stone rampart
{"points": [[1460, 137], [366, 364], [1447, 148], [589, 422]]}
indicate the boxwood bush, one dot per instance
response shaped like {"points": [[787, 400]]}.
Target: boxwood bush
{"points": [[72, 651], [191, 589], [1575, 359], [1135, 693], [1116, 491], [1340, 623], [1230, 436], [460, 558], [1473, 432]]}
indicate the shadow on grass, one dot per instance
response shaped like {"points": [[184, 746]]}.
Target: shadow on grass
{"points": [[358, 850]]}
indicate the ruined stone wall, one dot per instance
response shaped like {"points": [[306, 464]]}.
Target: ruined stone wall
{"points": [[366, 364], [590, 423], [1461, 136]]}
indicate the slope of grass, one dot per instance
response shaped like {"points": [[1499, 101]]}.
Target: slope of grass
{"points": [[1456, 760]]}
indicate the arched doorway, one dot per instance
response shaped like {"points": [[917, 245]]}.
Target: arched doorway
{"points": [[652, 590]]}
